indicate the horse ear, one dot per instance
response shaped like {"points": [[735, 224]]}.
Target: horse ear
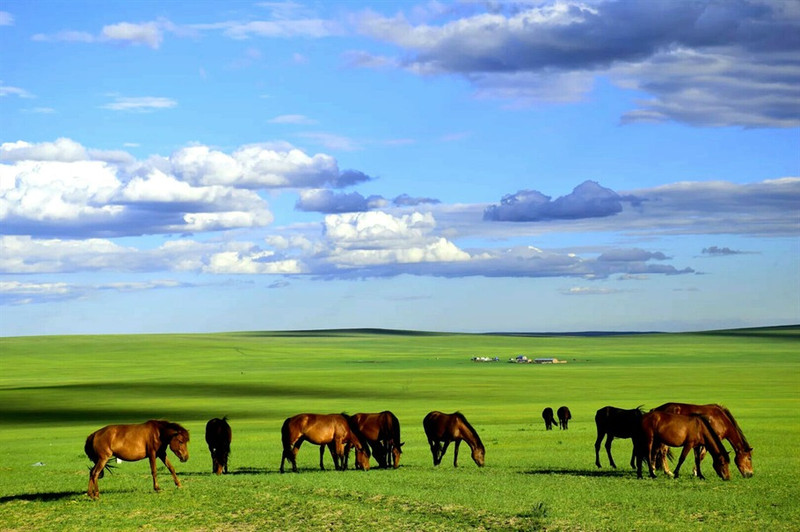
{"points": [[402, 443]]}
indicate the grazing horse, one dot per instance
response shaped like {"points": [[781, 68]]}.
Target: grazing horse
{"points": [[445, 428], [549, 421], [135, 442], [613, 423], [382, 433], [726, 427], [218, 438], [678, 430], [334, 430], [564, 415]]}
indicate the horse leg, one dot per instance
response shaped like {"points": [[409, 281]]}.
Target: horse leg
{"points": [[340, 460], [597, 443], [455, 453], [609, 439], [699, 450], [171, 469], [663, 461], [96, 472], [435, 448], [152, 458], [699, 453], [322, 455], [650, 459], [684, 452]]}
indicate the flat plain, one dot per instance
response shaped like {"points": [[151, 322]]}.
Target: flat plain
{"points": [[55, 390]]}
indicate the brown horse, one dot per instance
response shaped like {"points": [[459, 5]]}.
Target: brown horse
{"points": [[445, 428], [382, 432], [135, 442], [613, 423], [218, 438], [678, 430], [334, 430], [726, 427], [564, 415], [549, 421]]}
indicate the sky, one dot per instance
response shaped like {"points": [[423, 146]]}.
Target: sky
{"points": [[462, 166]]}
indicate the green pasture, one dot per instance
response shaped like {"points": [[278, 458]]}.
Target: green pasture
{"points": [[54, 391]]}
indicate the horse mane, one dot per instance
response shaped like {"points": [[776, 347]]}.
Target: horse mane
{"points": [[471, 428], [168, 425], [735, 424], [713, 433], [351, 422]]}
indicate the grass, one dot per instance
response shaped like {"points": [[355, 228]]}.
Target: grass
{"points": [[55, 390]]}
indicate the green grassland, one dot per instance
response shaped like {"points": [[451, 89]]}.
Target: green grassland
{"points": [[54, 391]]}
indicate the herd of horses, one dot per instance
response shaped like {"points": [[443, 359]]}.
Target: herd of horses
{"points": [[377, 435], [564, 415]]}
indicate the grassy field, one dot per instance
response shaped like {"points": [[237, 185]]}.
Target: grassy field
{"points": [[54, 391]]}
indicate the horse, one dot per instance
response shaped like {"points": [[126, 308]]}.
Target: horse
{"points": [[725, 426], [218, 438], [445, 428], [547, 415], [333, 430], [564, 415], [678, 430], [135, 442], [382, 432], [613, 423]]}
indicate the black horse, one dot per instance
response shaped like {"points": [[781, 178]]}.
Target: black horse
{"points": [[218, 438], [613, 423], [564, 415], [549, 420]]}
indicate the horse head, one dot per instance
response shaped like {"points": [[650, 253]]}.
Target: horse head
{"points": [[722, 465], [478, 455], [744, 461], [397, 452], [179, 443]]}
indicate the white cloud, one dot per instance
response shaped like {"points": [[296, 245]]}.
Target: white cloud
{"points": [[148, 33], [7, 90], [292, 119], [704, 63], [6, 18], [378, 238], [141, 104], [256, 166]]}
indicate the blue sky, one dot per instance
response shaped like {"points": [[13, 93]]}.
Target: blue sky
{"points": [[453, 166]]}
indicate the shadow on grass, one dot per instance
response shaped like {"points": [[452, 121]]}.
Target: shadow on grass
{"points": [[238, 471], [591, 473], [42, 497]]}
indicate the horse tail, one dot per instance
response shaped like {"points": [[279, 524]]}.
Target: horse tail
{"points": [[285, 434], [88, 448]]}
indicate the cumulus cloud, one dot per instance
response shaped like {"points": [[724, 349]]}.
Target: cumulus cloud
{"points": [[261, 166], [716, 251], [587, 200], [705, 63], [329, 202], [148, 33], [62, 188], [404, 200]]}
